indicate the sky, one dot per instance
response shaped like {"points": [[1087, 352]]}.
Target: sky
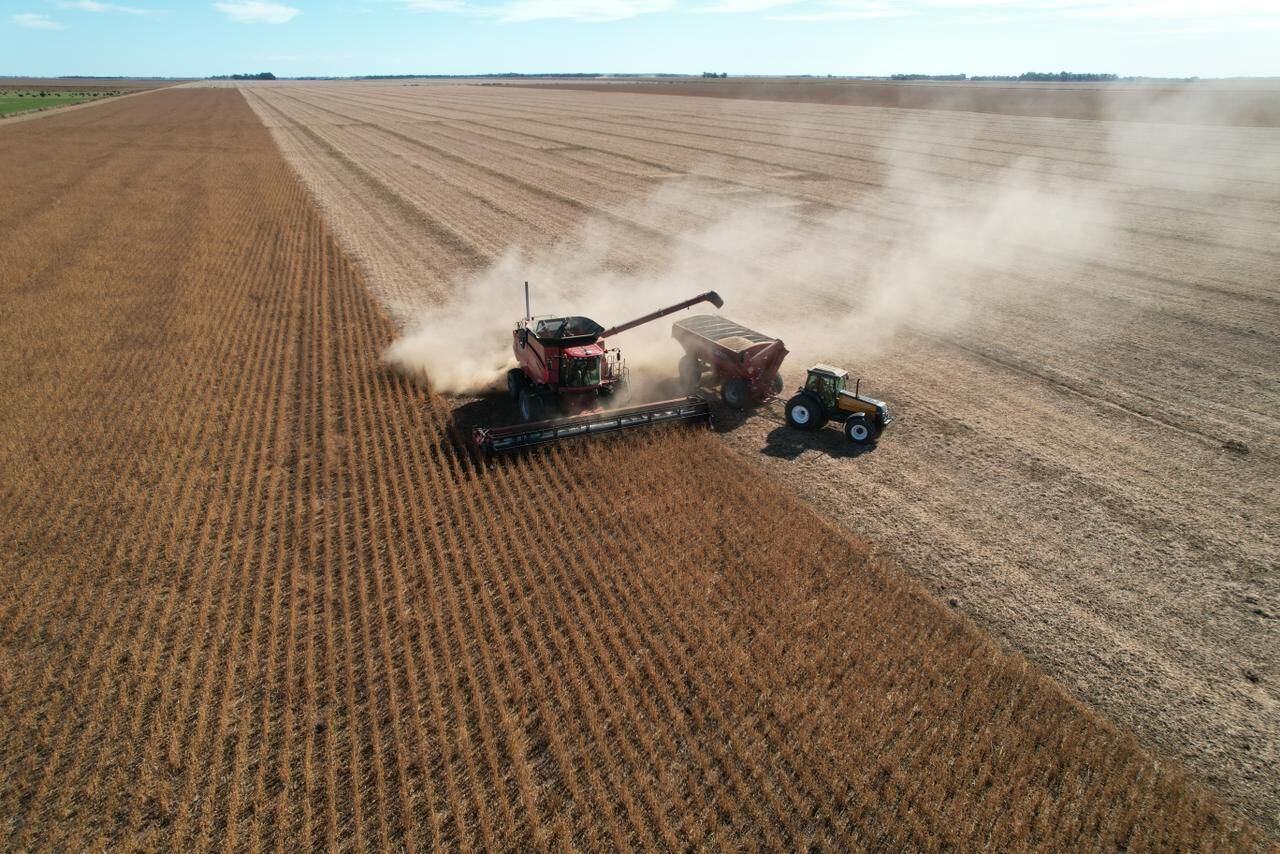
{"points": [[193, 38]]}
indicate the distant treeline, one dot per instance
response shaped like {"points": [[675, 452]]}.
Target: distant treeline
{"points": [[261, 75], [1040, 77]]}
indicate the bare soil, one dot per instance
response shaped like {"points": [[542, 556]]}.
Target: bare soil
{"points": [[1087, 465]]}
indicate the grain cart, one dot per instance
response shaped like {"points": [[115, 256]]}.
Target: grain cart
{"points": [[743, 362], [824, 398]]}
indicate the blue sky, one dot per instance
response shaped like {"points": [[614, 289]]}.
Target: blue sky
{"points": [[346, 37]]}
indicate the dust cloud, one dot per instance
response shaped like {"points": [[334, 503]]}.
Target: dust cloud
{"points": [[917, 248]]}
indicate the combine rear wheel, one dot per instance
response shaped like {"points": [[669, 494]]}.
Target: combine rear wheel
{"points": [[735, 393], [690, 373], [805, 412]]}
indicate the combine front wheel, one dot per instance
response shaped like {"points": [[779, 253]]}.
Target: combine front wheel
{"points": [[530, 405], [515, 382]]}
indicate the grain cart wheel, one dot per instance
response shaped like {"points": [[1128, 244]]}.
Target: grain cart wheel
{"points": [[805, 412], [530, 405], [776, 386], [735, 393], [859, 430], [515, 382], [690, 373]]}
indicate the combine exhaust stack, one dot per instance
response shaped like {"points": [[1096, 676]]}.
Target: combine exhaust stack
{"points": [[501, 440]]}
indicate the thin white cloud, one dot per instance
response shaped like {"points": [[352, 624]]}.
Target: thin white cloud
{"points": [[35, 21], [95, 6], [737, 6], [519, 11], [257, 11], [577, 10], [1171, 11]]}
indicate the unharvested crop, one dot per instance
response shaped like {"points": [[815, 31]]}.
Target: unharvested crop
{"points": [[257, 594]]}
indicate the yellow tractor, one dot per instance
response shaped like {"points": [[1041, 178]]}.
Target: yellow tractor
{"points": [[824, 398]]}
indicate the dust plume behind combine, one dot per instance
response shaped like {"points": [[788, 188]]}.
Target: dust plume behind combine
{"points": [[819, 282]]}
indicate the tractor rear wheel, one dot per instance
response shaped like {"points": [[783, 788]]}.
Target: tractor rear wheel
{"points": [[735, 393], [690, 373], [805, 412], [531, 407], [515, 382], [859, 430]]}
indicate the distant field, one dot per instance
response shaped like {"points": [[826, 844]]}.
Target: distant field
{"points": [[11, 102], [1220, 102], [25, 94]]}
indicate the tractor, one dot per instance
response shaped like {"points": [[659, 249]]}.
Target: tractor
{"points": [[825, 398]]}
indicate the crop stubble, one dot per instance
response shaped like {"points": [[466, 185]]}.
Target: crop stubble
{"points": [[1059, 470], [254, 596]]}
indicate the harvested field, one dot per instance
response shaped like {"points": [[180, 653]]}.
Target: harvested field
{"points": [[1086, 455], [255, 596]]}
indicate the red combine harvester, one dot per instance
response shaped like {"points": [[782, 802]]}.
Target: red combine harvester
{"points": [[745, 363], [565, 368]]}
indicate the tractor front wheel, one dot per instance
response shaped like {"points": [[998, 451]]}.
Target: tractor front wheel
{"points": [[805, 412], [690, 373], [859, 430], [531, 407], [735, 393]]}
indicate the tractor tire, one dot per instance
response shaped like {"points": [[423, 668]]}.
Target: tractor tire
{"points": [[805, 412], [775, 387], [735, 393], [531, 406], [859, 430], [515, 382], [690, 373]]}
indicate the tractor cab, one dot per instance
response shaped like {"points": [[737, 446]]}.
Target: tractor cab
{"points": [[826, 383]]}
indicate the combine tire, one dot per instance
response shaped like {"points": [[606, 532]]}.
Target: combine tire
{"points": [[735, 393], [805, 412], [690, 373], [859, 430], [531, 408], [515, 382]]}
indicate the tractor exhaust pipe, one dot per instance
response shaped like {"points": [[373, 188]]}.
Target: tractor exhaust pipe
{"points": [[710, 296], [528, 315]]}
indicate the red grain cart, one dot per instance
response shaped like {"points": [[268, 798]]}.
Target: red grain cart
{"points": [[742, 361]]}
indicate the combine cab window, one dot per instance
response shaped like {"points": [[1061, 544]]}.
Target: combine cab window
{"points": [[578, 373], [825, 387]]}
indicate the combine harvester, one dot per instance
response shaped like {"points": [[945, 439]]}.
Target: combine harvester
{"points": [[566, 368]]}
